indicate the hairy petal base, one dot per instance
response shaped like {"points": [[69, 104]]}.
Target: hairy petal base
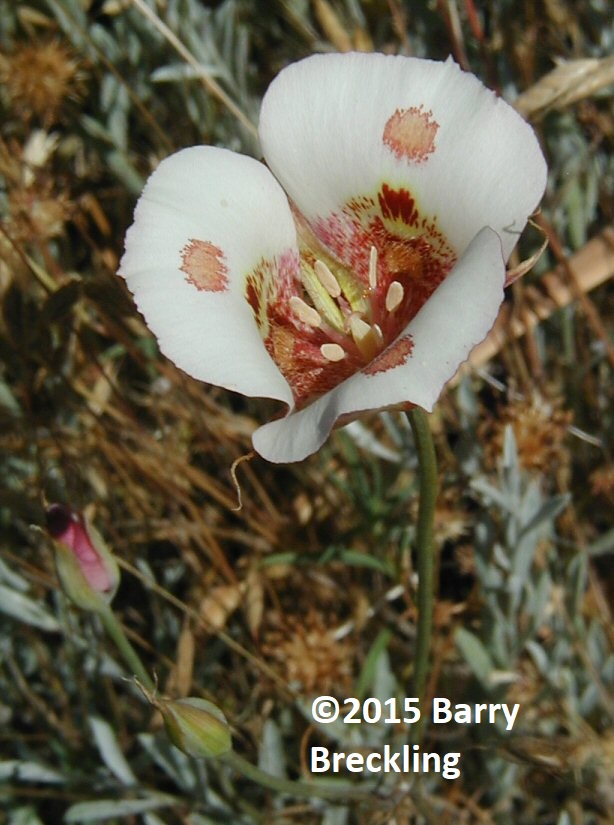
{"points": [[457, 317]]}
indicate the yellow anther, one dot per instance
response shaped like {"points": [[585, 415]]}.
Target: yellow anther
{"points": [[332, 352], [394, 296], [308, 315], [327, 279], [373, 268]]}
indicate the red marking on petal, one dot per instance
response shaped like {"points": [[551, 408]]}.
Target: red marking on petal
{"points": [[417, 255], [292, 344], [394, 356], [398, 204], [271, 283], [411, 249], [346, 235], [410, 134], [297, 354], [204, 266], [253, 297]]}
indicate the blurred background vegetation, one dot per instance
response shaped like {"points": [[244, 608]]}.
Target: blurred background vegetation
{"points": [[309, 588]]}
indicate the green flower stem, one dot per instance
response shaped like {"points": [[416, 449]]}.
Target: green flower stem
{"points": [[129, 654], [427, 465], [303, 790]]}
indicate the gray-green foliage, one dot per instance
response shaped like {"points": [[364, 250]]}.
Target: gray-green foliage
{"points": [[78, 742]]}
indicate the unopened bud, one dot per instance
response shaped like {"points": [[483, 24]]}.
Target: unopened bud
{"points": [[88, 573], [195, 726]]}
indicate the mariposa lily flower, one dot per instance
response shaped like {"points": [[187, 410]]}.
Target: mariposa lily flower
{"points": [[359, 267]]}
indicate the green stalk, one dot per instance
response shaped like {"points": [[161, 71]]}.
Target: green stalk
{"points": [[425, 551], [129, 654], [290, 787], [303, 790]]}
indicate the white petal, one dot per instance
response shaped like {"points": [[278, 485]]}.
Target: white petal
{"points": [[456, 318], [322, 130], [230, 209]]}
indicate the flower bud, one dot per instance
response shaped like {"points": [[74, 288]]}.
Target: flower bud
{"points": [[195, 726], [88, 573]]}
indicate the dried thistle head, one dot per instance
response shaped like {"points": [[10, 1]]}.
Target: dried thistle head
{"points": [[310, 657], [540, 428], [39, 78], [38, 214], [37, 211], [451, 521], [602, 482]]}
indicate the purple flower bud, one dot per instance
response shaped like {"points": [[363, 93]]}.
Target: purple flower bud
{"points": [[87, 570]]}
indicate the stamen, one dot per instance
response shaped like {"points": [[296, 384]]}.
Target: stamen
{"points": [[308, 315], [394, 296], [368, 338], [325, 306], [327, 279], [332, 352], [359, 328], [373, 268]]}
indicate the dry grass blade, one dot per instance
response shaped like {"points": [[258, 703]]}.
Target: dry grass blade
{"points": [[525, 266], [569, 82], [593, 265], [332, 26]]}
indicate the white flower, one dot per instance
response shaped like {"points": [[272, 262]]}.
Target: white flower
{"points": [[366, 280]]}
